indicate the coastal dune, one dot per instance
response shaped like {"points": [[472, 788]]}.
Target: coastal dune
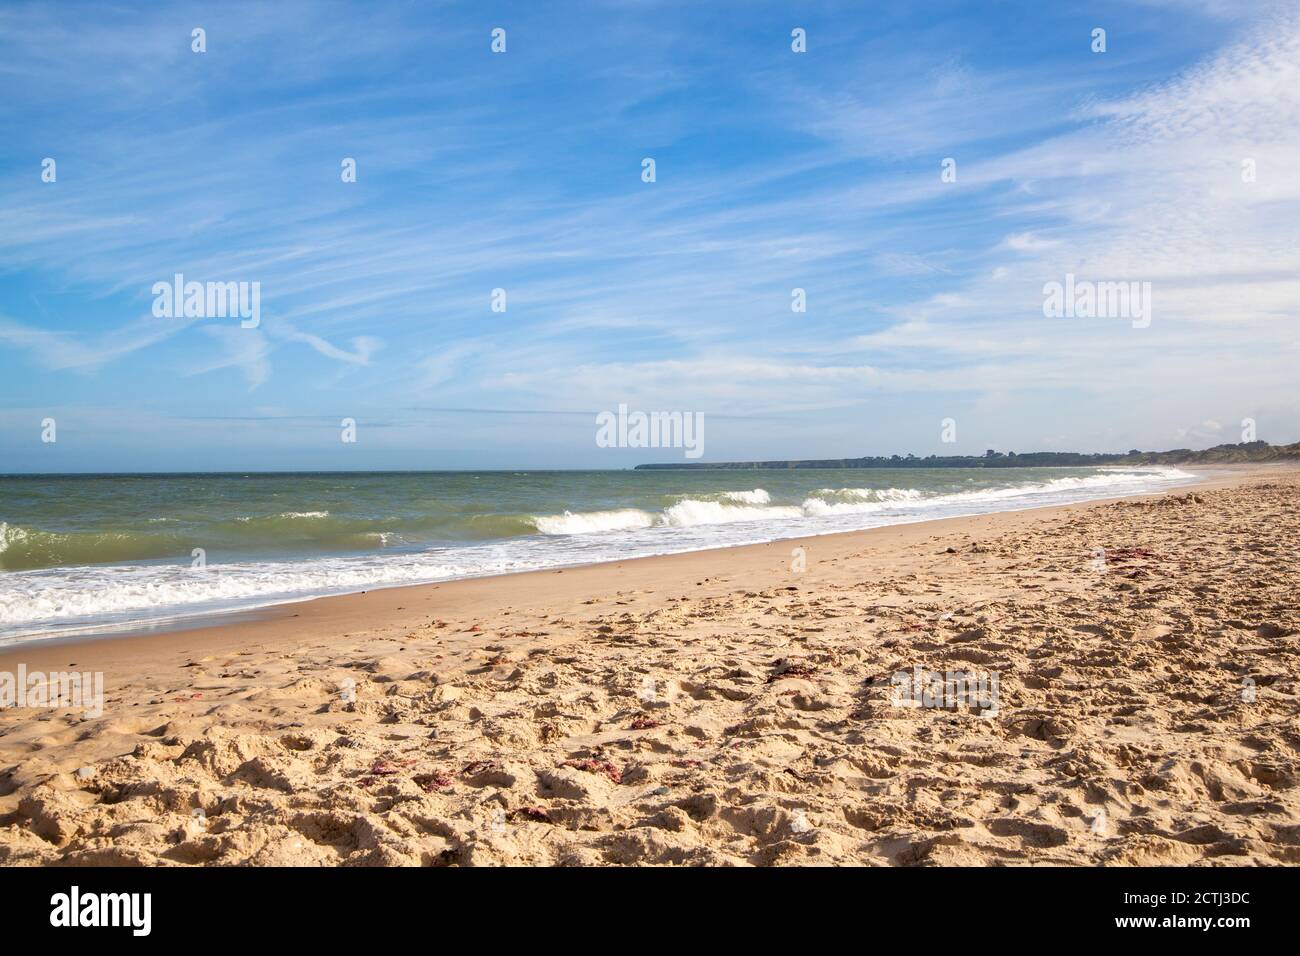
{"points": [[727, 707]]}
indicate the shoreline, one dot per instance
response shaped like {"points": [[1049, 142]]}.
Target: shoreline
{"points": [[276, 609], [403, 607], [715, 707]]}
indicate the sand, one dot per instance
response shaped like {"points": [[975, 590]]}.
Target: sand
{"points": [[718, 708]]}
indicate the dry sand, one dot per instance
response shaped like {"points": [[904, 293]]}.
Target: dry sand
{"points": [[718, 708]]}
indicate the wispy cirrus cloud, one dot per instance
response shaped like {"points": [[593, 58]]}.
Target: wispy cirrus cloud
{"points": [[60, 350]]}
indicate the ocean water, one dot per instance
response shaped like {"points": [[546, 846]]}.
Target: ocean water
{"points": [[80, 553]]}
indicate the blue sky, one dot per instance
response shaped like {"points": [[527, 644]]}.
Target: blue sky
{"points": [[522, 171]]}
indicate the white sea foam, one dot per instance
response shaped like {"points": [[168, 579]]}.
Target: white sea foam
{"points": [[866, 500], [692, 511], [756, 497], [868, 494], [732, 506], [288, 514], [590, 522]]}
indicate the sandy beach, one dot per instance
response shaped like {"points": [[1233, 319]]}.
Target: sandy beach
{"points": [[736, 706]]}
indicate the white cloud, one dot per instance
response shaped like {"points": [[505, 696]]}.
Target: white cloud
{"points": [[245, 349], [66, 350]]}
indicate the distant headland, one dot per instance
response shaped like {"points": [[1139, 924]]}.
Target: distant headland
{"points": [[1247, 452]]}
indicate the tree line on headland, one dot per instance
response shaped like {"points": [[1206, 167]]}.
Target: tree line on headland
{"points": [[1246, 452]]}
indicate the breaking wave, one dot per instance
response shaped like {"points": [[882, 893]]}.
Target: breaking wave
{"points": [[591, 522]]}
